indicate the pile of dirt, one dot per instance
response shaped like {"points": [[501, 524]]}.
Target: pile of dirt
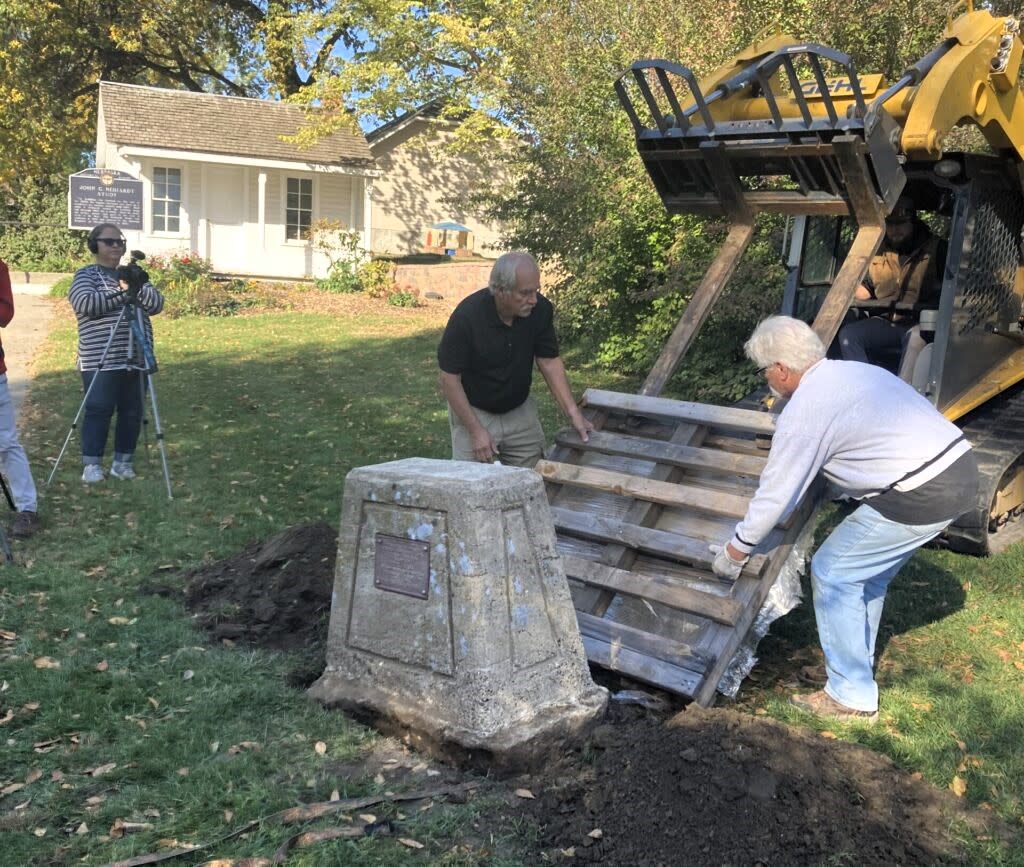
{"points": [[274, 594], [717, 787], [701, 787]]}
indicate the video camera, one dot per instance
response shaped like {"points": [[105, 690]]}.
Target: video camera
{"points": [[133, 275]]}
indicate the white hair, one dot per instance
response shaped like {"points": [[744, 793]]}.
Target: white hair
{"points": [[784, 340], [503, 274]]}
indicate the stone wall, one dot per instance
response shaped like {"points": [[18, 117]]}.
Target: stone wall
{"points": [[453, 282]]}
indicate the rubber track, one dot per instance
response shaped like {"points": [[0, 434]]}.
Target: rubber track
{"points": [[996, 430]]}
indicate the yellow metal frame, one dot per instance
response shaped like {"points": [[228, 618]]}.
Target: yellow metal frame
{"points": [[975, 81]]}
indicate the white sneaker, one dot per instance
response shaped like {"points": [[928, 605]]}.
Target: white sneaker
{"points": [[92, 473], [122, 470]]}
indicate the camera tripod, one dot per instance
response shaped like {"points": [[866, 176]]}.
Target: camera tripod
{"points": [[133, 315]]}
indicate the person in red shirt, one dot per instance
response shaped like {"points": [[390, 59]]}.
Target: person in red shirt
{"points": [[12, 455]]}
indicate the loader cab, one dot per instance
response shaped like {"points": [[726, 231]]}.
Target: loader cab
{"points": [[974, 204]]}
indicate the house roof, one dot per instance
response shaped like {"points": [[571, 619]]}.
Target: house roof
{"points": [[428, 111], [209, 123]]}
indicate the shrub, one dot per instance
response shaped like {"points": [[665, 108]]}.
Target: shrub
{"points": [[403, 299], [189, 289], [377, 278], [33, 227], [342, 278], [61, 288]]}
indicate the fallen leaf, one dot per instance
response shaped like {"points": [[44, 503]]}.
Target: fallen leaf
{"points": [[46, 662], [39, 832], [321, 748], [100, 770], [7, 717], [118, 621], [188, 674], [33, 775], [412, 844], [958, 786], [132, 520], [369, 818], [568, 853], [829, 735], [214, 746], [153, 702], [229, 815], [82, 829], [379, 779], [7, 635], [525, 793], [596, 834], [57, 776], [12, 788], [102, 665], [31, 706], [182, 772], [227, 521], [152, 812], [335, 795]]}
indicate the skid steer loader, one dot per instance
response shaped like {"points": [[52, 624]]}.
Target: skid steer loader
{"points": [[791, 128]]}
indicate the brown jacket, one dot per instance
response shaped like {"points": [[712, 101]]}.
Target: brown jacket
{"points": [[918, 278]]}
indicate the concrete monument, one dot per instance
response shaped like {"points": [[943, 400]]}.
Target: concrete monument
{"points": [[451, 613]]}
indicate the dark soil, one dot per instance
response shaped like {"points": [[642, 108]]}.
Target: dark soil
{"points": [[701, 787], [274, 594]]}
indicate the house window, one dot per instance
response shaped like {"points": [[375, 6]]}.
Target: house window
{"points": [[166, 200], [299, 209]]}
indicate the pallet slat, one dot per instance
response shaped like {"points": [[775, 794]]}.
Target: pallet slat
{"points": [[651, 490], [668, 650], [721, 609], [688, 457], [747, 420], [672, 545]]}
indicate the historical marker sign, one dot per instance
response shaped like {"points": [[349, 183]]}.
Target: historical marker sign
{"points": [[104, 196], [401, 566]]}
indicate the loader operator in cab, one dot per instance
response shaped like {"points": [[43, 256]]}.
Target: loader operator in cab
{"points": [[906, 271]]}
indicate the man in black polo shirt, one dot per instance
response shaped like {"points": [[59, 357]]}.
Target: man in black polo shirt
{"points": [[486, 358]]}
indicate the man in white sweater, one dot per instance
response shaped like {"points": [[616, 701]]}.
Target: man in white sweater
{"points": [[881, 443]]}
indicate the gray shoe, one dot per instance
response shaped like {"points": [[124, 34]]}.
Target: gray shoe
{"points": [[122, 470], [92, 473]]}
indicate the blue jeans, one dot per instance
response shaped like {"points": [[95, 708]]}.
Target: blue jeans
{"points": [[850, 574], [119, 390], [12, 455]]}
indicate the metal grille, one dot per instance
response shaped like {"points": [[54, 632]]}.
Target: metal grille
{"points": [[991, 256], [826, 244]]}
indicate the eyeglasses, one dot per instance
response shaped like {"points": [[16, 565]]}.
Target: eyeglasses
{"points": [[112, 242], [761, 370]]}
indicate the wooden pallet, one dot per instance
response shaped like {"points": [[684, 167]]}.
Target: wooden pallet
{"points": [[635, 510]]}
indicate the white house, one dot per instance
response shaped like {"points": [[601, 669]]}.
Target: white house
{"points": [[219, 179], [424, 184]]}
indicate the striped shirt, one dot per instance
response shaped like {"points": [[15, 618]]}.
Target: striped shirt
{"points": [[97, 299]]}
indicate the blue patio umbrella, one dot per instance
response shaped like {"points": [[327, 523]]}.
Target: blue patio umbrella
{"points": [[449, 226]]}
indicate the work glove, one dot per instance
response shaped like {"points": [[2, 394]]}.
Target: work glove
{"points": [[723, 565]]}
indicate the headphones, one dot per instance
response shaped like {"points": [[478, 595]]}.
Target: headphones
{"points": [[91, 242]]}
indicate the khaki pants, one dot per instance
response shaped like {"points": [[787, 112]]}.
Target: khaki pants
{"points": [[517, 433]]}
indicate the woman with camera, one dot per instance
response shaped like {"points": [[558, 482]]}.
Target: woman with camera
{"points": [[109, 356]]}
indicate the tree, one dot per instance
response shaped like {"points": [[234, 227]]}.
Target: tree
{"points": [[53, 53]]}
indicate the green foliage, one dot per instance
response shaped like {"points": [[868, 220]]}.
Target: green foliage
{"points": [[376, 277], [403, 299], [188, 288], [61, 288], [343, 278], [341, 246], [33, 227]]}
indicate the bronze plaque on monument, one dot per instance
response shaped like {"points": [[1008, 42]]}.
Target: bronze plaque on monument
{"points": [[401, 565]]}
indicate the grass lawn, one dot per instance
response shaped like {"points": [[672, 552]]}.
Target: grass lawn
{"points": [[114, 707]]}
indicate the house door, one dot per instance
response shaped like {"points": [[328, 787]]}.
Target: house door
{"points": [[225, 209]]}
